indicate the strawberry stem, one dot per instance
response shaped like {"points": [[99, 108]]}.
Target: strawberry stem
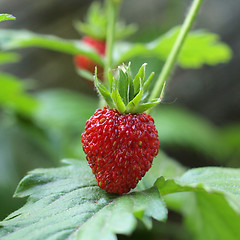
{"points": [[172, 57], [112, 12]]}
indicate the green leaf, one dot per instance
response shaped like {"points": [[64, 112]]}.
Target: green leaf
{"points": [[13, 39], [8, 57], [13, 97], [123, 31], [130, 92], [162, 165], [123, 51], [110, 80], [208, 216], [118, 100], [5, 16], [66, 202], [140, 76], [95, 24], [225, 181], [201, 47], [132, 105], [145, 106], [103, 91], [148, 82], [85, 74], [123, 85]]}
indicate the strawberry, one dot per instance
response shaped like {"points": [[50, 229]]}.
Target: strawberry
{"points": [[94, 28], [85, 63], [120, 141], [120, 148]]}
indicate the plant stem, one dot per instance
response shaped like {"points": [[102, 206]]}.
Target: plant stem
{"points": [[172, 57], [112, 11]]}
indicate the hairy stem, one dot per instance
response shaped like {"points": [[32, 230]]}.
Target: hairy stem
{"points": [[112, 11], [171, 60]]}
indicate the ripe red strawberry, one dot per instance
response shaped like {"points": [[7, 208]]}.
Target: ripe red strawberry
{"points": [[120, 148], [86, 63], [121, 140]]}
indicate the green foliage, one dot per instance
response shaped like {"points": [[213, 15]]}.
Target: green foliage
{"points": [[125, 93], [8, 57], [210, 217], [179, 127], [207, 216], [5, 17], [85, 74], [95, 24], [21, 149], [201, 47], [13, 96], [63, 115], [209, 179], [64, 110], [231, 137], [66, 202], [12, 39], [163, 165]]}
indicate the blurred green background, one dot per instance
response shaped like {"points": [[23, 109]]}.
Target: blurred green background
{"points": [[44, 109]]}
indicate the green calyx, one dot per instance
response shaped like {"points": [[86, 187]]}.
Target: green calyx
{"points": [[95, 24], [125, 93]]}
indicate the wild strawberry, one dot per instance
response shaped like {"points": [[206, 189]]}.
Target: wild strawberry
{"points": [[86, 63], [95, 28], [120, 148], [121, 141]]}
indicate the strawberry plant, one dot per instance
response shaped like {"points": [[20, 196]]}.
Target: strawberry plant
{"points": [[136, 184], [121, 141], [86, 64]]}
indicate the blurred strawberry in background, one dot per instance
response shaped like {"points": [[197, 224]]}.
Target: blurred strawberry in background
{"points": [[86, 63]]}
